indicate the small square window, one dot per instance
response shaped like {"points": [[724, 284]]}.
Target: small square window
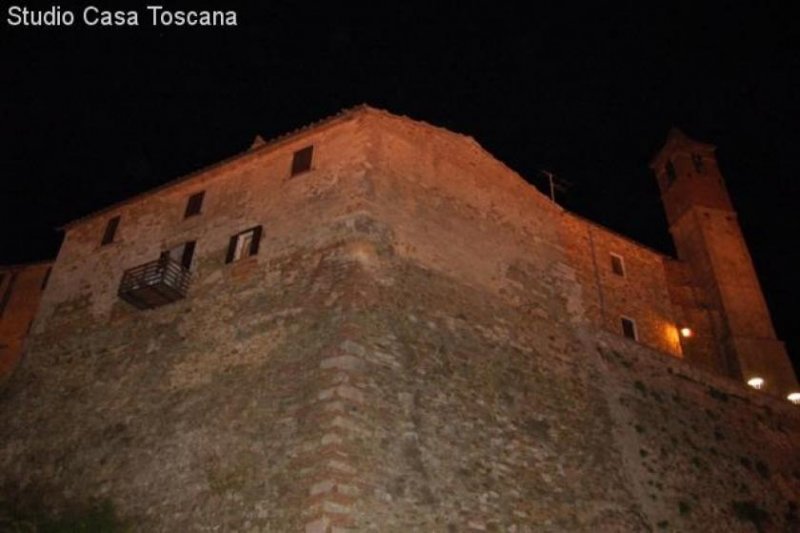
{"points": [[301, 160], [194, 204], [629, 328], [671, 174], [111, 231], [697, 161], [617, 265], [243, 244]]}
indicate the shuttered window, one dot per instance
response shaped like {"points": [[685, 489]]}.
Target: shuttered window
{"points": [[301, 161], [111, 231], [244, 244], [194, 205]]}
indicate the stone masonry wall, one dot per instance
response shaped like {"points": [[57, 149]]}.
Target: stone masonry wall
{"points": [[412, 349], [641, 294], [23, 286]]}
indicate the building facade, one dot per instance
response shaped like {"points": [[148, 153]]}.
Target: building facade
{"points": [[371, 323], [21, 287]]}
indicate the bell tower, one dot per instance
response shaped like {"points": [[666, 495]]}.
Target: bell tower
{"points": [[710, 244]]}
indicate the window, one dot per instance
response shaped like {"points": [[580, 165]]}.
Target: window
{"points": [[111, 231], [183, 253], [617, 265], [671, 175], [194, 204], [243, 244], [629, 328], [697, 161], [301, 160], [46, 278]]}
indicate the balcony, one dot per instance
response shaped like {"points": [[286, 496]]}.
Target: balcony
{"points": [[154, 284]]}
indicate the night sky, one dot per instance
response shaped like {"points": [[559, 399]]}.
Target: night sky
{"points": [[91, 116]]}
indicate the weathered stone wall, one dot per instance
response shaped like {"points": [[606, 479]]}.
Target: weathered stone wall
{"points": [[20, 289], [640, 294], [413, 348]]}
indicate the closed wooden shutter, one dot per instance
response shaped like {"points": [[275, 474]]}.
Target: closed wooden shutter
{"points": [[231, 249], [188, 254], [111, 231], [256, 240], [301, 161], [194, 204]]}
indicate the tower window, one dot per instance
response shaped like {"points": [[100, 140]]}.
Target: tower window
{"points": [[243, 244], [111, 231], [629, 328], [617, 265], [301, 160], [670, 171], [697, 161], [194, 204]]}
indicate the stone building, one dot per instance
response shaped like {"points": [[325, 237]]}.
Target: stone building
{"points": [[21, 287], [372, 324]]}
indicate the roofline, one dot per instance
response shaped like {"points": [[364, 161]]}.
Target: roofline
{"points": [[273, 143], [619, 235], [341, 116], [676, 136]]}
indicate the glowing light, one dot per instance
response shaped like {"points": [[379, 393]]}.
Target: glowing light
{"points": [[756, 382], [794, 397], [686, 332]]}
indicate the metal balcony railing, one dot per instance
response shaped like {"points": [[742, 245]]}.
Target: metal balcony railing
{"points": [[154, 284]]}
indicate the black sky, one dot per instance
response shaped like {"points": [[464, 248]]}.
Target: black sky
{"points": [[91, 116]]}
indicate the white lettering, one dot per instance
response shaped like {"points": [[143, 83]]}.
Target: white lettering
{"points": [[90, 15], [93, 16], [14, 15], [163, 17], [22, 16]]}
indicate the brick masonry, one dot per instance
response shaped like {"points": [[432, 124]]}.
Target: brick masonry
{"points": [[422, 343]]}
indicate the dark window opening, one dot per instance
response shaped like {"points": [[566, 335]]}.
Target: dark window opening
{"points": [[629, 328], [111, 231], [301, 160], [46, 277], [183, 253], [194, 204], [244, 244], [617, 265], [188, 254], [697, 161], [671, 175]]}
